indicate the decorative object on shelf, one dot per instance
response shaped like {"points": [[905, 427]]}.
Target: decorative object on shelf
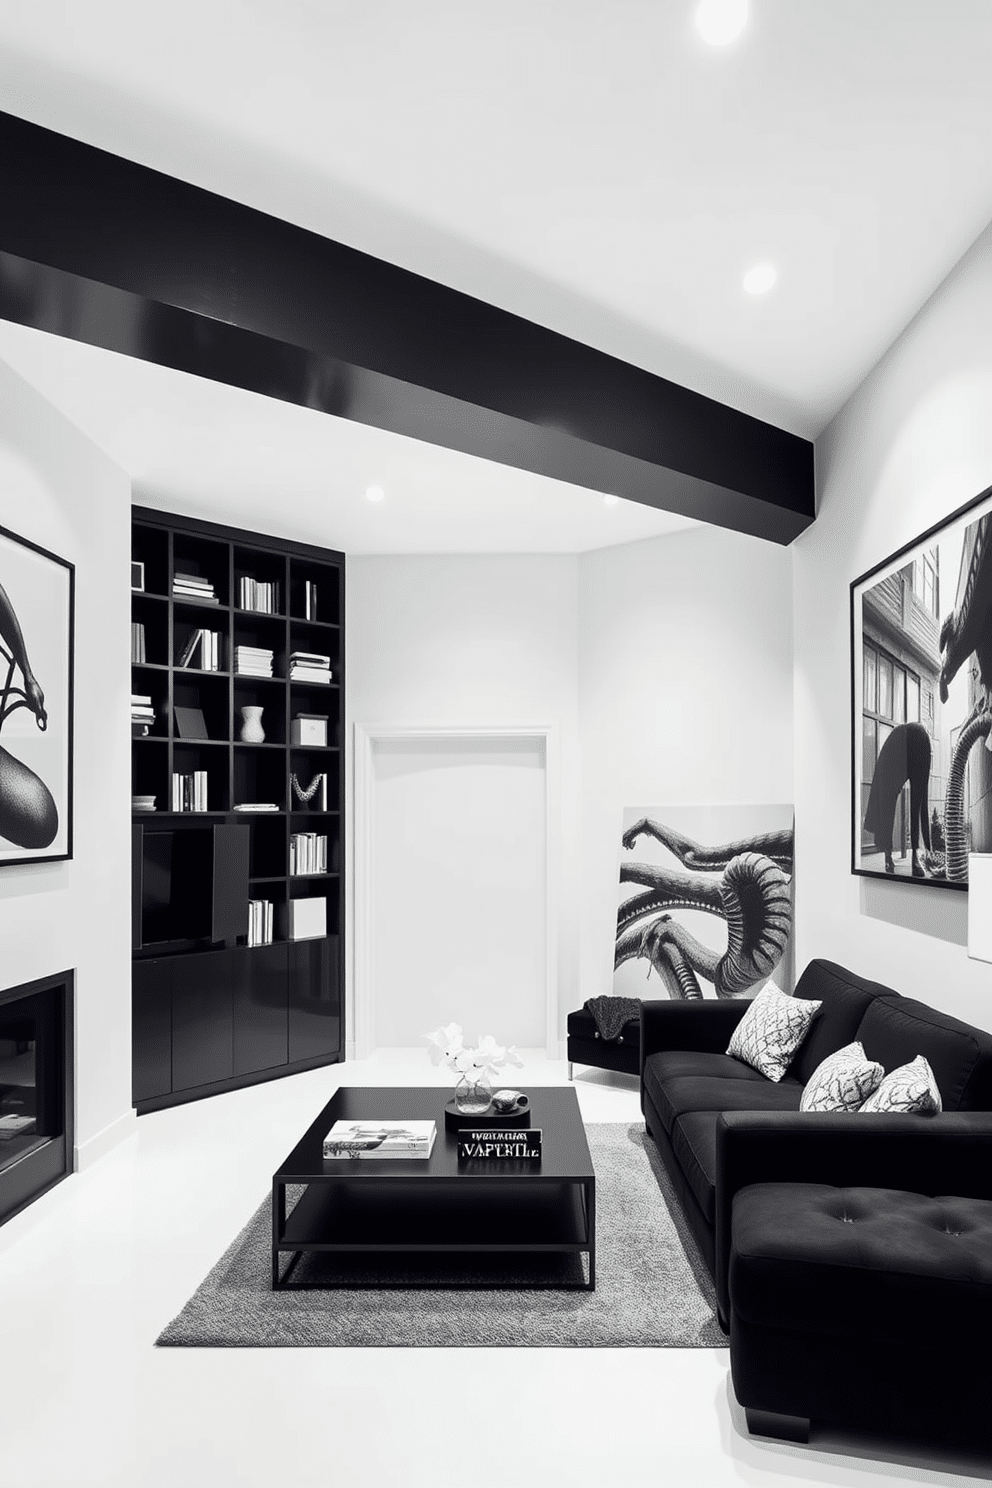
{"points": [[308, 729], [36, 621], [190, 723], [474, 1067], [506, 1102], [306, 919], [142, 714], [921, 689], [315, 794], [252, 731], [137, 577], [739, 862]]}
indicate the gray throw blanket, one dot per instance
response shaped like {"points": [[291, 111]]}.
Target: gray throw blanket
{"points": [[611, 1013]]}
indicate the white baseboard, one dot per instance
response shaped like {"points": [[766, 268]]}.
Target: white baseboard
{"points": [[85, 1154]]}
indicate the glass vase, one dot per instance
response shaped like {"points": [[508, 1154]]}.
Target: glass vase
{"points": [[473, 1094]]}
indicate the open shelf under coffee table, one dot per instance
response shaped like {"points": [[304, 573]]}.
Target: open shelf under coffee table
{"points": [[437, 1206]]}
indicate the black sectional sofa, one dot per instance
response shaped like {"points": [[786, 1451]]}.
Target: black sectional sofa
{"points": [[721, 1127]]}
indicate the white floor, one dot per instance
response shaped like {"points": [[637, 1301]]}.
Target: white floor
{"points": [[90, 1275]]}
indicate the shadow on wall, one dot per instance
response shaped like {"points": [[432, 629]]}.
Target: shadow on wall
{"points": [[927, 911]]}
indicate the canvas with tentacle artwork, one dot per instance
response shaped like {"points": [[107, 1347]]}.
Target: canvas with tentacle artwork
{"points": [[706, 903], [36, 624], [921, 630]]}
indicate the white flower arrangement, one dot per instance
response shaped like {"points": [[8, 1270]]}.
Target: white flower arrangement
{"points": [[447, 1045]]}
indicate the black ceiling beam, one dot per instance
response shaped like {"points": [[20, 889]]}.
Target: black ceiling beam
{"points": [[102, 250]]}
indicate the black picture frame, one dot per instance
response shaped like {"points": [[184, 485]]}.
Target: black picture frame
{"points": [[921, 704], [190, 723], [37, 641]]}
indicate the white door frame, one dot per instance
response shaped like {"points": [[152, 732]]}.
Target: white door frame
{"points": [[366, 736]]}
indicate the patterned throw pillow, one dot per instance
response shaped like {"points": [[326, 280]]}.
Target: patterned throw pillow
{"points": [[842, 1081], [771, 1031], [911, 1087]]}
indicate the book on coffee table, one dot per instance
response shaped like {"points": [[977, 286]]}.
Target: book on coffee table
{"points": [[380, 1139]]}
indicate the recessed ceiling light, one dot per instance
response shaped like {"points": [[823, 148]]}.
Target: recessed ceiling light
{"points": [[721, 21], [760, 279], [610, 500], [374, 493]]}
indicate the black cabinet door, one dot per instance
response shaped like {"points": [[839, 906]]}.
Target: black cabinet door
{"points": [[314, 998], [202, 1020], [151, 1029], [260, 977]]}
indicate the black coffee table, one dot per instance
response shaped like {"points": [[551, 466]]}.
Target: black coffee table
{"points": [[438, 1206]]}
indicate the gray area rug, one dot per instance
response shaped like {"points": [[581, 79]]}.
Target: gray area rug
{"points": [[652, 1289]]}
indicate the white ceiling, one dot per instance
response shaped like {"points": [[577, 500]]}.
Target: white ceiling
{"points": [[589, 164]]}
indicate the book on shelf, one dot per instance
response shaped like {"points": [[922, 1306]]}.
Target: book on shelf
{"points": [[309, 666], [262, 598], [257, 806], [365, 1139], [259, 922], [191, 586], [310, 600], [253, 661], [310, 658], [497, 1143], [298, 673], [307, 853], [202, 650], [138, 656], [189, 791]]}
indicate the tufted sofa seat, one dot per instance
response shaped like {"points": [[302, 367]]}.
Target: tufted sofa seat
{"points": [[861, 1306]]}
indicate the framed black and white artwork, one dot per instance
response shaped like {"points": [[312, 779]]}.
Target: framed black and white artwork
{"points": [[921, 670], [36, 661], [705, 903]]}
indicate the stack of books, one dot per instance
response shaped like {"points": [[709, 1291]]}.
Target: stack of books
{"points": [[262, 598], [309, 666], [189, 792], [259, 922], [142, 714], [307, 853], [138, 642], [202, 650], [191, 586], [257, 806], [366, 1139], [252, 661], [310, 600]]}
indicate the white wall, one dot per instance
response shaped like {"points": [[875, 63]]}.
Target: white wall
{"points": [[665, 667], [59, 490], [685, 687], [911, 445], [474, 641]]}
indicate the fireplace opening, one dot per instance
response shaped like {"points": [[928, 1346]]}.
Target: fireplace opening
{"points": [[35, 1089]]}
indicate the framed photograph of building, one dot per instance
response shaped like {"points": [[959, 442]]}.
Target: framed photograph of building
{"points": [[36, 660], [921, 673]]}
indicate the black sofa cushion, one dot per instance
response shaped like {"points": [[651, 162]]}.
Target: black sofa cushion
{"points": [[672, 1064], [862, 1262], [674, 1097], [845, 998], [894, 1031], [694, 1144]]}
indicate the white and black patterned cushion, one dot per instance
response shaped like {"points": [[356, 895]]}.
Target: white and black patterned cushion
{"points": [[911, 1087], [771, 1031], [842, 1081]]}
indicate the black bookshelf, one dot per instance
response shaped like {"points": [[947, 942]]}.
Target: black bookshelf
{"points": [[211, 1010]]}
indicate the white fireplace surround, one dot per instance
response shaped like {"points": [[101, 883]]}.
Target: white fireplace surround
{"points": [[365, 738]]}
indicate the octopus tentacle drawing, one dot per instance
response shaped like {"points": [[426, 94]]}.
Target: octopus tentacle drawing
{"points": [[748, 887]]}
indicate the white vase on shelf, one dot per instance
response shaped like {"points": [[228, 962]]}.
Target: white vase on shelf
{"points": [[252, 731]]}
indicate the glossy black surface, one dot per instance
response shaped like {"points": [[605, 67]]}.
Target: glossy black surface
{"points": [[260, 978], [108, 252], [40, 1013], [202, 1020], [151, 1029], [565, 1151]]}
